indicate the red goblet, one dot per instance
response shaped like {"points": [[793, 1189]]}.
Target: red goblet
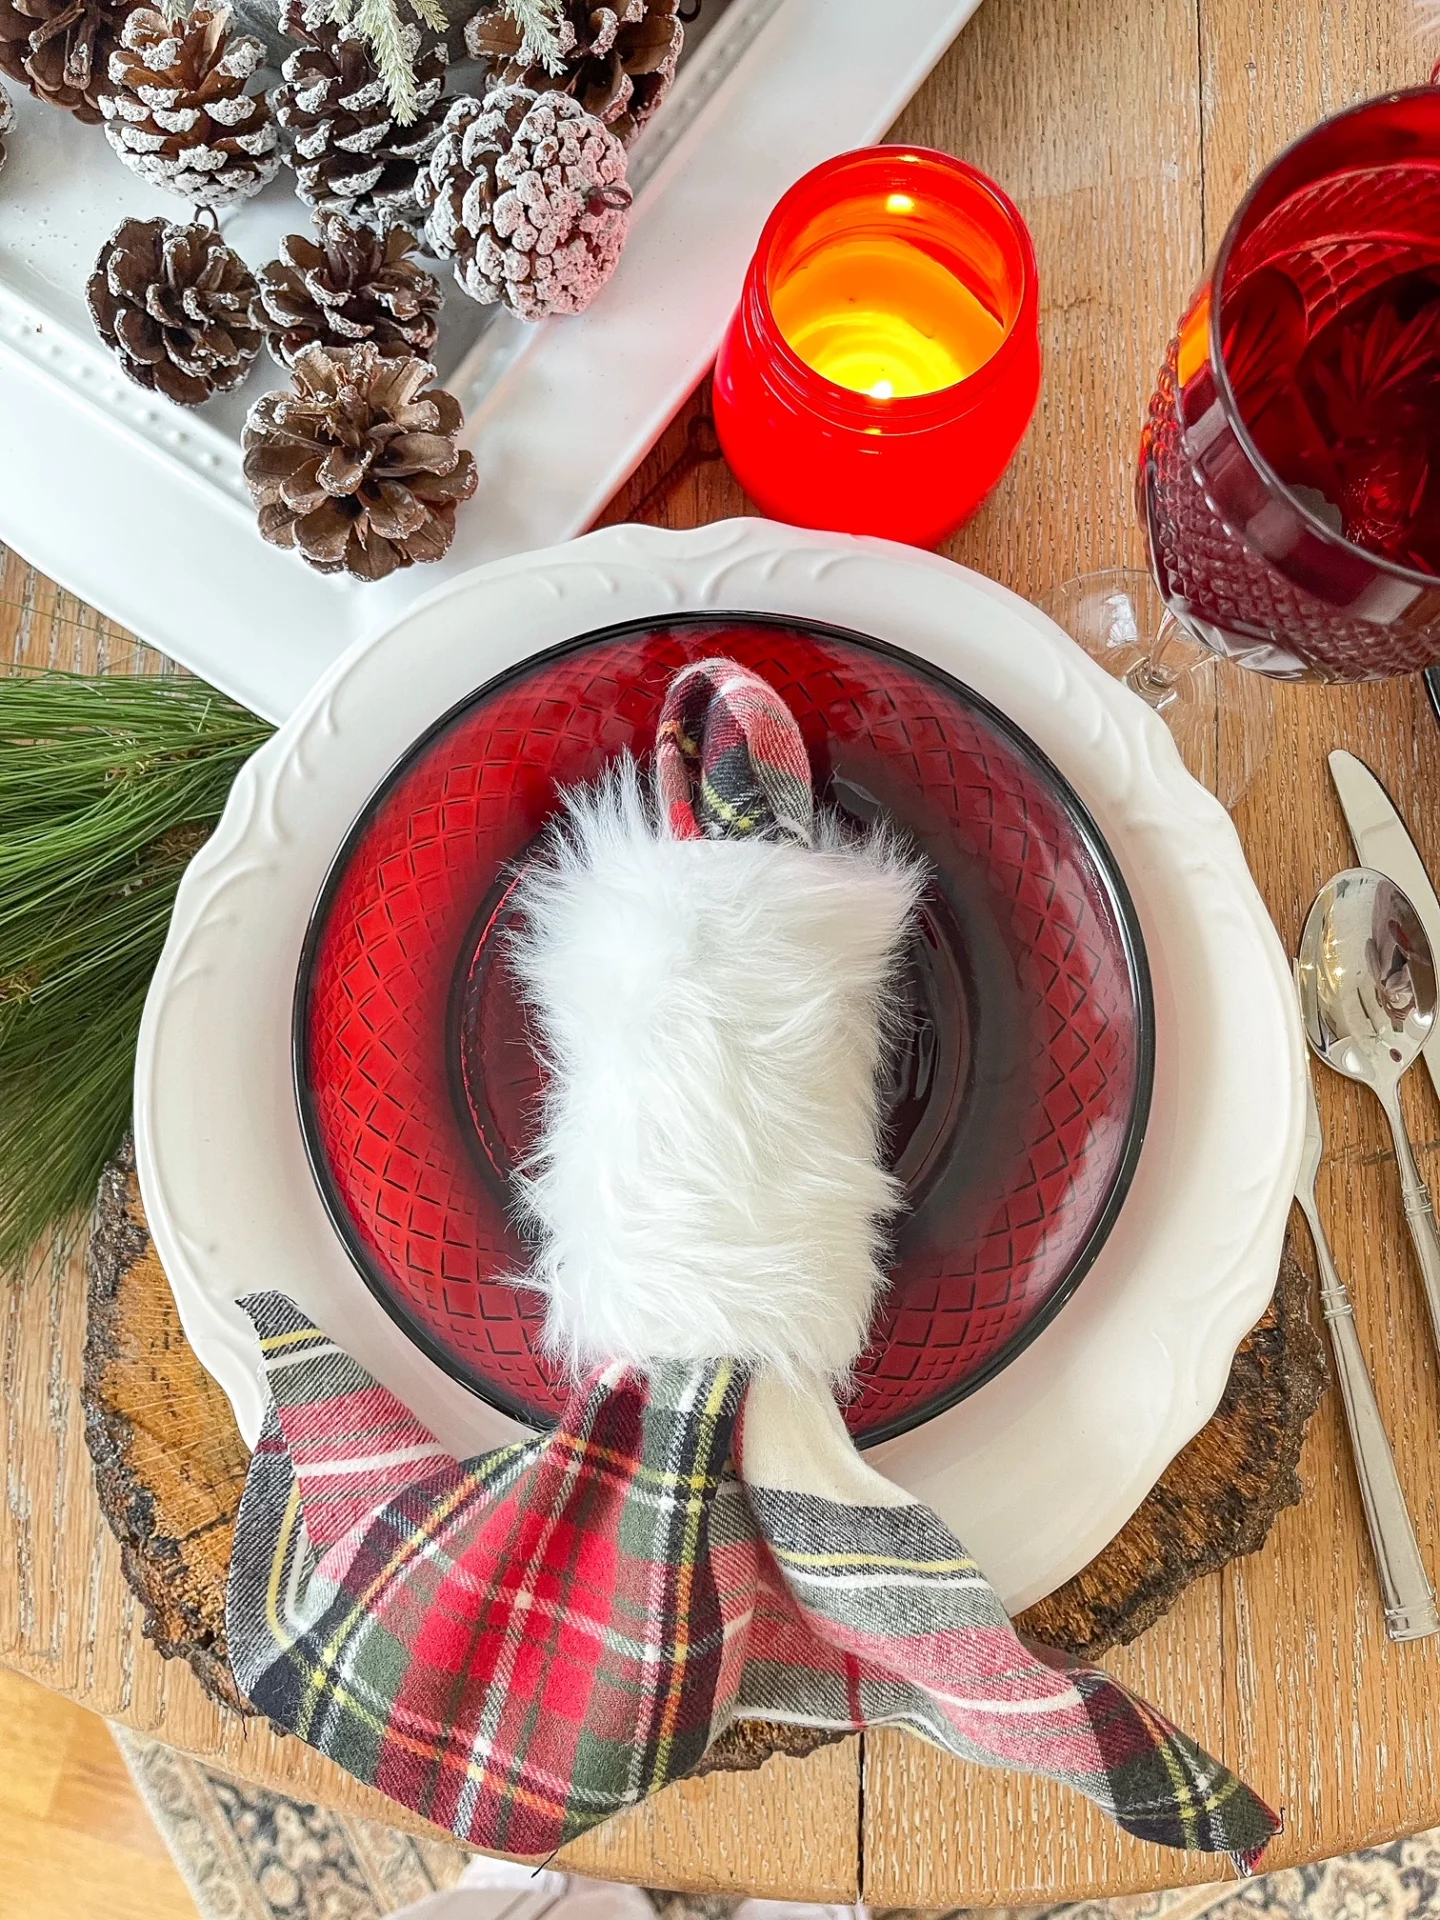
{"points": [[1289, 477]]}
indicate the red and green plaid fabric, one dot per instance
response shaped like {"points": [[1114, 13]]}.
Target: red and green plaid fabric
{"points": [[520, 1645], [729, 760]]}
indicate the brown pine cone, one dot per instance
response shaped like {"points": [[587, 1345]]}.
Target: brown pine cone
{"points": [[177, 307], [59, 49], [351, 285], [349, 152], [619, 60], [356, 467], [177, 112], [528, 197], [7, 121]]}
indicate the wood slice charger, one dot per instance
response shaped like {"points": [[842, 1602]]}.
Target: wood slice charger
{"points": [[170, 1467]]}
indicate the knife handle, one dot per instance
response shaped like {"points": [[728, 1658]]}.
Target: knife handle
{"points": [[1419, 1208], [1410, 1611]]}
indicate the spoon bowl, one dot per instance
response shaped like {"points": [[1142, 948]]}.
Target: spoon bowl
{"points": [[1366, 975], [1367, 979]]}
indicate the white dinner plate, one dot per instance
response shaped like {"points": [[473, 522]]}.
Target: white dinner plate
{"points": [[1042, 1466]]}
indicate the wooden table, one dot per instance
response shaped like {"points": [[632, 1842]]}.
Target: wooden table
{"points": [[1127, 134]]}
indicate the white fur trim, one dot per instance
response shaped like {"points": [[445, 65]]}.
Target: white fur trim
{"points": [[707, 1182]]}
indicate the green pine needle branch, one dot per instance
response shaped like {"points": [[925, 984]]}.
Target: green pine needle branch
{"points": [[108, 785]]}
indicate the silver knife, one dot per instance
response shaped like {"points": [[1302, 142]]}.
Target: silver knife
{"points": [[1383, 842]]}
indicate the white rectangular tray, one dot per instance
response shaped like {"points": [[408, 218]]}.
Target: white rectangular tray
{"points": [[138, 505]]}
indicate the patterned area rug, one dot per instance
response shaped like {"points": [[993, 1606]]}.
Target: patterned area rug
{"points": [[248, 1854]]}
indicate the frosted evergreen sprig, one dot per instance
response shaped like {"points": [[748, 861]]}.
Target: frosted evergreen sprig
{"points": [[388, 33], [540, 22], [392, 43]]}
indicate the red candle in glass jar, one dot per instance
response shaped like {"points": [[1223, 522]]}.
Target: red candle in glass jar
{"points": [[884, 361]]}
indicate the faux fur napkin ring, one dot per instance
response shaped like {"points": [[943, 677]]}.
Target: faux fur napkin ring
{"points": [[520, 1645]]}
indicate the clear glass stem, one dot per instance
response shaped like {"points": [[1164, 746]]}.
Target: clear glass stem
{"points": [[1152, 676], [1218, 716]]}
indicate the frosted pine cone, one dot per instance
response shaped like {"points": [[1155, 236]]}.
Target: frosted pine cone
{"points": [[355, 464], [177, 112], [7, 121], [528, 197], [59, 48], [619, 60], [349, 285], [350, 153], [176, 307]]}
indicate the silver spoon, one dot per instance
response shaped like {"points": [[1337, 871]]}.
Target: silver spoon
{"points": [[1409, 1598], [1367, 994]]}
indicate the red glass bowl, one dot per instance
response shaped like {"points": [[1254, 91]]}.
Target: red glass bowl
{"points": [[1015, 1108]]}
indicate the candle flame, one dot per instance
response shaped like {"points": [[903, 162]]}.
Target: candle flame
{"points": [[899, 203], [876, 314]]}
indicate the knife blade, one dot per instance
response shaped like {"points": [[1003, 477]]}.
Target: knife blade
{"points": [[1383, 842]]}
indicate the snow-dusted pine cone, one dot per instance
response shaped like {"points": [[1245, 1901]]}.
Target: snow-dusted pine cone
{"points": [[59, 49], [349, 152], [619, 60], [177, 112], [528, 197], [349, 284], [7, 121], [355, 465], [177, 308]]}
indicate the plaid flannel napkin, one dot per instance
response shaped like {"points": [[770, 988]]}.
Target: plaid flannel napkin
{"points": [[520, 1645]]}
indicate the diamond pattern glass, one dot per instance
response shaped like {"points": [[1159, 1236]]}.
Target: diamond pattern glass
{"points": [[1015, 1106], [1292, 506]]}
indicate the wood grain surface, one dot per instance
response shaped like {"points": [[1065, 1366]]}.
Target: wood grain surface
{"points": [[1127, 134], [76, 1839]]}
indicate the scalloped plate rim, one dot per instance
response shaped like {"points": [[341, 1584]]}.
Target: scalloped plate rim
{"points": [[1040, 1468]]}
